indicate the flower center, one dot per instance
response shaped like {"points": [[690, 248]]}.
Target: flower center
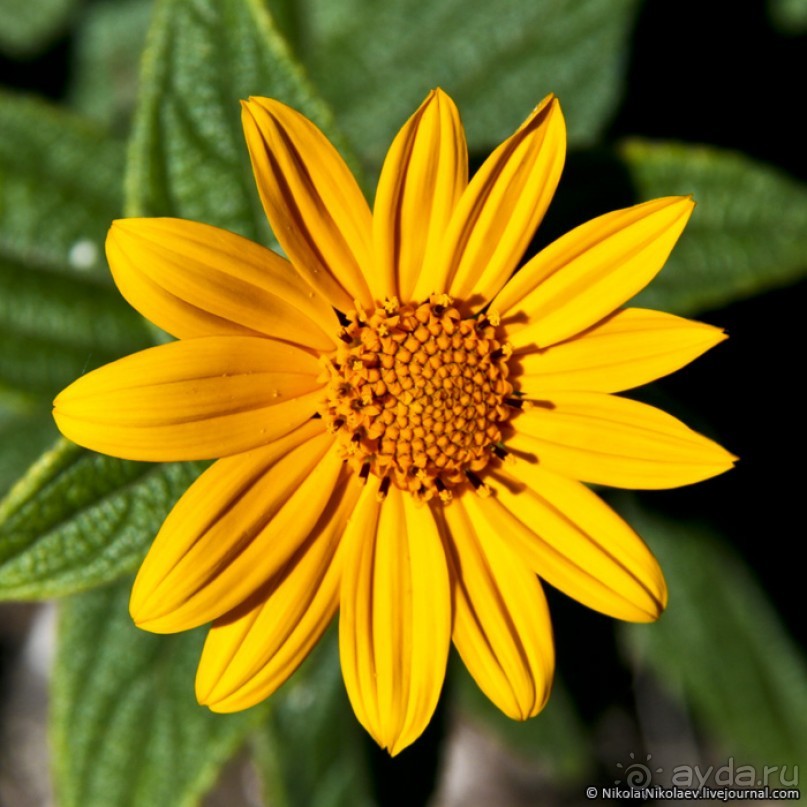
{"points": [[418, 395]]}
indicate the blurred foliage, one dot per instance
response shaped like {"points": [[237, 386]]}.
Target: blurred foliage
{"points": [[789, 16], [497, 60], [721, 645], [125, 726], [310, 752], [106, 62], [557, 742], [27, 27], [60, 315], [80, 166], [25, 432], [747, 232]]}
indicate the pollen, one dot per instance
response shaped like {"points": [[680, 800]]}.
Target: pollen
{"points": [[418, 396]]}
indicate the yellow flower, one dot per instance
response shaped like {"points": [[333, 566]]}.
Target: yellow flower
{"points": [[415, 460]]}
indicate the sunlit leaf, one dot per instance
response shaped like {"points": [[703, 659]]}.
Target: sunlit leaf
{"points": [[126, 728], [79, 519], [188, 155]]}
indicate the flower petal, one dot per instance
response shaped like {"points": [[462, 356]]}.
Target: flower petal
{"points": [[425, 172], [395, 620], [193, 399], [627, 349], [251, 651], [591, 271], [196, 280], [575, 542], [496, 217], [501, 620], [234, 528], [615, 441], [316, 209]]}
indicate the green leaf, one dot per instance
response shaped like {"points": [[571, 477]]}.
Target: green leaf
{"points": [[126, 728], [59, 313], [375, 62], [108, 47], [747, 233], [27, 26], [60, 186], [54, 328], [188, 157], [310, 753], [25, 432], [722, 646], [555, 739], [79, 519], [789, 16]]}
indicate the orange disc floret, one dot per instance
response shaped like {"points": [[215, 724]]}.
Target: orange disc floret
{"points": [[418, 395]]}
